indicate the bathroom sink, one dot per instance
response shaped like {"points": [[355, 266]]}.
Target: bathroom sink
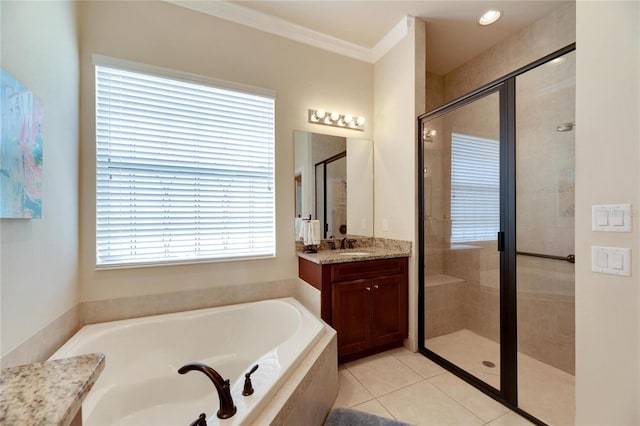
{"points": [[354, 253]]}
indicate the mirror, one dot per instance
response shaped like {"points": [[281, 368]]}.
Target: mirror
{"points": [[334, 183]]}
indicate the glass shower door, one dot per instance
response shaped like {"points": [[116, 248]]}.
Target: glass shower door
{"points": [[545, 182], [462, 218], [497, 238]]}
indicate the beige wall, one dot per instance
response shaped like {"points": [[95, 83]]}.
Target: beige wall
{"points": [[39, 271], [360, 187], [544, 36], [165, 35], [399, 97], [607, 158]]}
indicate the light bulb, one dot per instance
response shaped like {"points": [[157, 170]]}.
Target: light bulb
{"points": [[348, 118], [489, 17], [360, 121], [335, 116], [320, 114]]}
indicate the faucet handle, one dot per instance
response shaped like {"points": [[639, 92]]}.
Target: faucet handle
{"points": [[350, 242], [332, 244], [248, 387], [200, 421]]}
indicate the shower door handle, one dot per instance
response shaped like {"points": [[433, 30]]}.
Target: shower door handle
{"points": [[500, 241]]}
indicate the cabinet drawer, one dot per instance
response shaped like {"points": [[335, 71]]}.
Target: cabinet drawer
{"points": [[368, 269]]}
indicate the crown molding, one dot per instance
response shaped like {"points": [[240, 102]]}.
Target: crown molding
{"points": [[261, 21], [393, 37]]}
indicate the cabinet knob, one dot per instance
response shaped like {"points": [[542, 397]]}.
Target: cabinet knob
{"points": [[375, 286], [368, 288]]}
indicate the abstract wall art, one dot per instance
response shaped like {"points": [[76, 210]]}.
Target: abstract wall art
{"points": [[20, 150]]}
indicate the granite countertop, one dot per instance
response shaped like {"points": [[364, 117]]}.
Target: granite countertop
{"points": [[48, 393], [358, 254]]}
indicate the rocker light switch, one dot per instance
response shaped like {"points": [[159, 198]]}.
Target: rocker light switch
{"points": [[611, 260], [617, 217], [611, 218], [616, 261], [603, 217], [602, 259]]}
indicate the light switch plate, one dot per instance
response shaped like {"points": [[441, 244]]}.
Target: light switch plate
{"points": [[611, 218], [611, 260]]}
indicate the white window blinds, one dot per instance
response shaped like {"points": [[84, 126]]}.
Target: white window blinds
{"points": [[475, 188], [185, 171]]}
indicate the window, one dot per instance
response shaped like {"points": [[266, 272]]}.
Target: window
{"points": [[185, 170], [475, 188]]}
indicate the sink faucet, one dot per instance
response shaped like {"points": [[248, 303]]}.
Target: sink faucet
{"points": [[227, 408], [349, 243]]}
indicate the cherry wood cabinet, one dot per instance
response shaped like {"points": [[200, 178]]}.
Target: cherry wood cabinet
{"points": [[365, 301]]}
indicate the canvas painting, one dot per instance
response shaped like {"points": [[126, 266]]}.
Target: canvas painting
{"points": [[20, 150]]}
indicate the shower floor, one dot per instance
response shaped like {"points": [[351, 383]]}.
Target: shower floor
{"points": [[543, 391]]}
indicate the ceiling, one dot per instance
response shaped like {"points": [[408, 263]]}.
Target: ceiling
{"points": [[453, 33]]}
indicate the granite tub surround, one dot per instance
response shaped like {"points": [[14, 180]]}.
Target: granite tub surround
{"points": [[48, 393], [364, 248]]}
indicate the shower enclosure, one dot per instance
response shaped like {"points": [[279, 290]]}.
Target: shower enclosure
{"points": [[496, 242], [331, 195]]}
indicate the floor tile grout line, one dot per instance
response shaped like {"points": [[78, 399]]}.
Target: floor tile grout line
{"points": [[363, 386], [372, 396], [457, 402], [444, 394], [390, 355], [386, 409], [416, 371], [463, 404], [400, 388]]}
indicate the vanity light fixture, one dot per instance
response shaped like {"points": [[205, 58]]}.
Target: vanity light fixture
{"points": [[348, 121], [489, 17]]}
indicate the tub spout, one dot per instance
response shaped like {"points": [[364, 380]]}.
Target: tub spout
{"points": [[227, 407]]}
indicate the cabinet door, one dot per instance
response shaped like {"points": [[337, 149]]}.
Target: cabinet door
{"points": [[389, 310], [351, 316]]}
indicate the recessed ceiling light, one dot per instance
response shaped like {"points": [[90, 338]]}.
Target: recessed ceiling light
{"points": [[489, 17]]}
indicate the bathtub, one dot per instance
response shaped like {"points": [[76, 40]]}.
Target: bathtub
{"points": [[140, 384]]}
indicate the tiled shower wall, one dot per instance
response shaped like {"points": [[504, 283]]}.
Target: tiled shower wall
{"points": [[462, 282], [466, 297]]}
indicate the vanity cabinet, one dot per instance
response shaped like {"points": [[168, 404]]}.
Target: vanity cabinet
{"points": [[365, 301]]}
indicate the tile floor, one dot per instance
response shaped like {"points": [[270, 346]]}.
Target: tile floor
{"points": [[406, 386], [544, 391]]}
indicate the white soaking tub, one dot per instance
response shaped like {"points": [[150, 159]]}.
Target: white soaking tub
{"points": [[140, 384]]}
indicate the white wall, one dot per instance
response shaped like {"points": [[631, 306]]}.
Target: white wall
{"points": [[607, 158], [165, 35], [399, 97], [39, 262]]}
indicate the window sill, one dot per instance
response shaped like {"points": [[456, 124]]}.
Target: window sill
{"points": [[178, 263]]}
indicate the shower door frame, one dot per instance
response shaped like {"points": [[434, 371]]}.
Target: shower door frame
{"points": [[323, 164], [506, 87]]}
